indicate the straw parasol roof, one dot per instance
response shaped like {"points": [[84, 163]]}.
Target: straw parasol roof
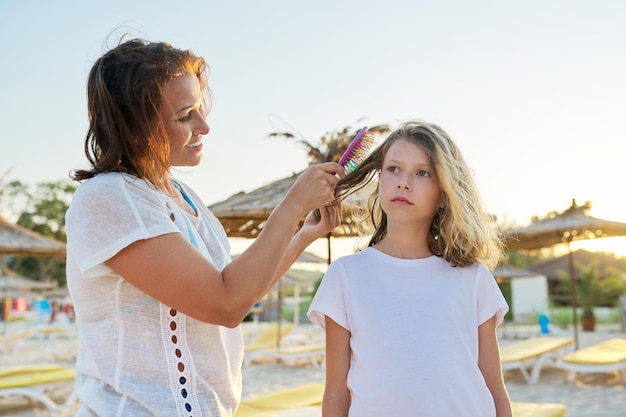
{"points": [[18, 283], [244, 214], [573, 224], [20, 241]]}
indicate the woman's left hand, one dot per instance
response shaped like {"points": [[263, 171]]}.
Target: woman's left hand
{"points": [[320, 226]]}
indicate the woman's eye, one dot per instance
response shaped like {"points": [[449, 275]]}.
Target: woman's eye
{"points": [[185, 118], [392, 169]]}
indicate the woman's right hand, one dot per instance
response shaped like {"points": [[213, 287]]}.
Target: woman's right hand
{"points": [[315, 187]]}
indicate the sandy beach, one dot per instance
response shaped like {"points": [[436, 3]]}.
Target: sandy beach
{"points": [[591, 395]]}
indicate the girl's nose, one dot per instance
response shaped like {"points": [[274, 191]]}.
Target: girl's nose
{"points": [[404, 184]]}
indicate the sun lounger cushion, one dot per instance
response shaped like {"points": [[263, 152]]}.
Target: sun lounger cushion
{"points": [[300, 396], [36, 382], [532, 353], [531, 348], [523, 409], [28, 369], [607, 356], [609, 352], [269, 338], [36, 378]]}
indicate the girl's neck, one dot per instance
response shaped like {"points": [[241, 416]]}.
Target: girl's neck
{"points": [[404, 249], [405, 243]]}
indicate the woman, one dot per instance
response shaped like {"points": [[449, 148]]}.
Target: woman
{"points": [[158, 302]]}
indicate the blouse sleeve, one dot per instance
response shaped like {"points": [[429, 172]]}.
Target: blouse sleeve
{"points": [[108, 213]]}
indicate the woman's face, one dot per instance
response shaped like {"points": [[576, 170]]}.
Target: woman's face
{"points": [[184, 118], [408, 187]]}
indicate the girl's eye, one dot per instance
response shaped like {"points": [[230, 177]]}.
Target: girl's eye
{"points": [[392, 169], [423, 173]]}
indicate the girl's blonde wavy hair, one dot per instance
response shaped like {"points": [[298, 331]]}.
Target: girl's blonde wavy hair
{"points": [[462, 231]]}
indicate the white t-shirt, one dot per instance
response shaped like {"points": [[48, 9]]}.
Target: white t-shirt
{"points": [[137, 356], [414, 333]]}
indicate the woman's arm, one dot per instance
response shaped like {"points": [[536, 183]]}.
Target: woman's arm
{"points": [[337, 399], [172, 271], [313, 228], [491, 368]]}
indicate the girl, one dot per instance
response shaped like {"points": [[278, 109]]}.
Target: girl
{"points": [[158, 303], [411, 320]]}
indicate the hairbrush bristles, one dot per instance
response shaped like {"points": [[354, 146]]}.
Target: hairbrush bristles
{"points": [[357, 150]]}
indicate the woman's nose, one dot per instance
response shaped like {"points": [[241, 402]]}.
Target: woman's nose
{"points": [[202, 128]]}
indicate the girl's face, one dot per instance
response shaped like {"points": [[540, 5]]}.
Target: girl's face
{"points": [[408, 188], [184, 118]]}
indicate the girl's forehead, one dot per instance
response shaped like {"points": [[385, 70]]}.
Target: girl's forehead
{"points": [[405, 147]]}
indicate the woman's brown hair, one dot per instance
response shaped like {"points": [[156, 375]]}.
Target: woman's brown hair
{"points": [[124, 96]]}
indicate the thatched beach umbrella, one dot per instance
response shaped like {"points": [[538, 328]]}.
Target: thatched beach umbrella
{"points": [[571, 225], [20, 241]]}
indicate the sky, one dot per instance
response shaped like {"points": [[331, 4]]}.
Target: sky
{"points": [[533, 92]]}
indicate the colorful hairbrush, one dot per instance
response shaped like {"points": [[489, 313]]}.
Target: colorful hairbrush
{"points": [[357, 150], [355, 154]]}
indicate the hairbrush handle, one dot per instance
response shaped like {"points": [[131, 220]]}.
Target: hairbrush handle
{"points": [[346, 155], [350, 158]]}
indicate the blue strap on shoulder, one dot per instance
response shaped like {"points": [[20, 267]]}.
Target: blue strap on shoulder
{"points": [[185, 196]]}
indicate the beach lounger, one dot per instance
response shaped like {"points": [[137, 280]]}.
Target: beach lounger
{"points": [[533, 354], [523, 409], [313, 353], [267, 341], [36, 382], [11, 343], [290, 398], [513, 331], [306, 400], [65, 350], [607, 356]]}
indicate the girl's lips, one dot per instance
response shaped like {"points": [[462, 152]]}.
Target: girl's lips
{"points": [[401, 200]]}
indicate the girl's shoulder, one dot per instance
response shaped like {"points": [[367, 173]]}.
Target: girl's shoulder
{"points": [[363, 259]]}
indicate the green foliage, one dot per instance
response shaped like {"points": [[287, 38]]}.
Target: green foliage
{"points": [[524, 259], [561, 317], [288, 310], [505, 288], [594, 286], [42, 209], [47, 206]]}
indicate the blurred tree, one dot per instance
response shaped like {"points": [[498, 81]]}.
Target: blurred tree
{"points": [[596, 286], [46, 209], [42, 209], [13, 197], [331, 145]]}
